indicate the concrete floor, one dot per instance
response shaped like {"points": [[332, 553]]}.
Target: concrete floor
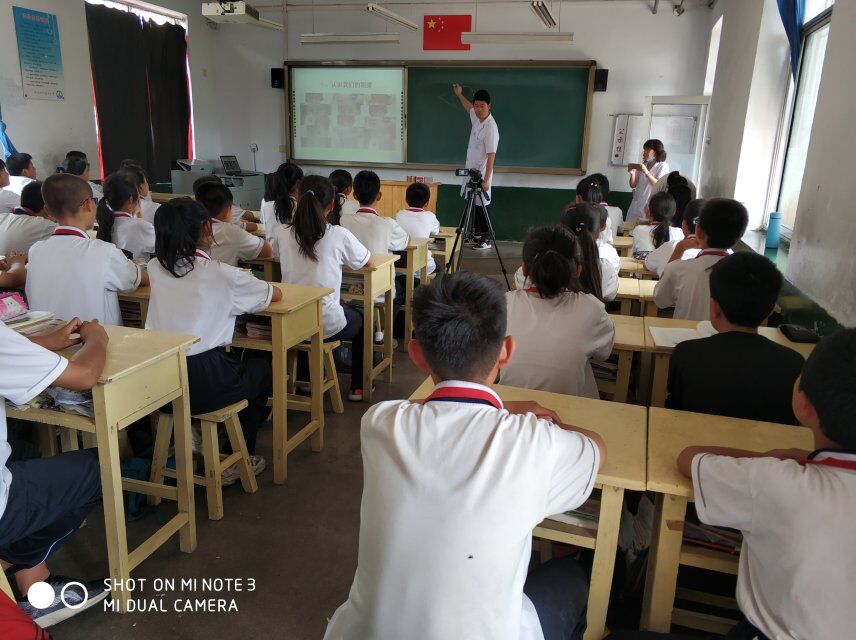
{"points": [[297, 541]]}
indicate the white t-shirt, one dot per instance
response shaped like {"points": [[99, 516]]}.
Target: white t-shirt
{"points": [[134, 235], [267, 212], [349, 206], [17, 184], [557, 339], [484, 139], [148, 208], [19, 232], [616, 221], [232, 244], [9, 200], [338, 248], [657, 260], [685, 285], [378, 234], [205, 301], [643, 237], [643, 190], [451, 493], [419, 223], [75, 275], [795, 579], [97, 193], [26, 371], [610, 264]]}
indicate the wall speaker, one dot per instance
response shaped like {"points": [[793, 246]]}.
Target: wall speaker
{"points": [[600, 77], [277, 78]]}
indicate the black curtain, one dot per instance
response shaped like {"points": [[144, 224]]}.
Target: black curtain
{"points": [[169, 97], [118, 54]]}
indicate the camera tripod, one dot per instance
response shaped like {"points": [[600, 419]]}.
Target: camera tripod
{"points": [[475, 195]]}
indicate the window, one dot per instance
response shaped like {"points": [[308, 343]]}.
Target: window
{"points": [[804, 99]]}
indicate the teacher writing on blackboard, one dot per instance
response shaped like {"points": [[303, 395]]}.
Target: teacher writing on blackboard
{"points": [[481, 153], [644, 176]]}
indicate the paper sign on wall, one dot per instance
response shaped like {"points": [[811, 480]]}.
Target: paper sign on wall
{"points": [[40, 54]]}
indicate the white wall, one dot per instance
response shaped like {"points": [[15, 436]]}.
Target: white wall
{"points": [[47, 129], [822, 261]]}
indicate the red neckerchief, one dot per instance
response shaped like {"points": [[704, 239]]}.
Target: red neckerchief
{"points": [[415, 209], [122, 214], [466, 392], [367, 210], [201, 254], [62, 230], [832, 458], [24, 211], [712, 252]]}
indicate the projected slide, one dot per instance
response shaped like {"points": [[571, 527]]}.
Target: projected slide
{"points": [[347, 114]]}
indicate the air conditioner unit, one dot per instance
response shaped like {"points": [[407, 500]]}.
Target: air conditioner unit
{"points": [[236, 12]]}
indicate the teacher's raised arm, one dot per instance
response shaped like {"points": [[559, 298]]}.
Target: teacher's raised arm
{"points": [[466, 104]]}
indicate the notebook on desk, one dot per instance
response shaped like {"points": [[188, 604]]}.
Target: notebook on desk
{"points": [[670, 337]]}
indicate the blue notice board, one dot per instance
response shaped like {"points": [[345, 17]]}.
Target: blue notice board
{"points": [[40, 54]]}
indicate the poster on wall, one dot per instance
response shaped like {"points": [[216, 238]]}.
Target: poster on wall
{"points": [[39, 54]]}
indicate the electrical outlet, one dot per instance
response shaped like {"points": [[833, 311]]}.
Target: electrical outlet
{"points": [[254, 147]]}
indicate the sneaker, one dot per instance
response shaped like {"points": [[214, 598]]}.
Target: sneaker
{"points": [[482, 245], [76, 600], [231, 475], [356, 395]]}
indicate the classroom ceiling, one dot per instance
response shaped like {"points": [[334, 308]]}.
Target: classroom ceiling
{"points": [[270, 5]]}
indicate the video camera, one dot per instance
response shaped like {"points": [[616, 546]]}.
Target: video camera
{"points": [[474, 174]]}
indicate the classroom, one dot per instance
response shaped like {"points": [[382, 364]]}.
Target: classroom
{"points": [[421, 320]]}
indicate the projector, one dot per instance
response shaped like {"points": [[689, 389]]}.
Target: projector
{"points": [[237, 12]]}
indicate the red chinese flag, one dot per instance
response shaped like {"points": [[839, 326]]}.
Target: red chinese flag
{"points": [[443, 33]]}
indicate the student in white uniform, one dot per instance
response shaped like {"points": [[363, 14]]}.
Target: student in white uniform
{"points": [[343, 182], [657, 260], [648, 237], [794, 508], [644, 176], [198, 296], [8, 199], [616, 215], [117, 219], [27, 224], [416, 221], [379, 234], [559, 329], [77, 164], [147, 206], [44, 501], [281, 189], [610, 261], [21, 171], [685, 284], [454, 484], [71, 274], [230, 244], [313, 252], [237, 216]]}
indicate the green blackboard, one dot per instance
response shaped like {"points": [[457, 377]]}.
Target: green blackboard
{"points": [[541, 111]]}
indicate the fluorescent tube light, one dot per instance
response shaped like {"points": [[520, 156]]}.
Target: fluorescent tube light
{"points": [[391, 16], [472, 37], [348, 38], [540, 9]]}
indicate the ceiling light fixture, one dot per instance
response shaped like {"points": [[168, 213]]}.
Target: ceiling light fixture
{"points": [[391, 16]]}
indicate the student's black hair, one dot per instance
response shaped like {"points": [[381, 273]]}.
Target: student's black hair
{"points": [[675, 178], [31, 196], [130, 162], [134, 174], [746, 286], [341, 181], [202, 180], [682, 195], [692, 212], [75, 154], [417, 195], [309, 224], [278, 187], [366, 187], [75, 165], [603, 181], [460, 321], [661, 208], [588, 190], [828, 379], [179, 225], [118, 188], [604, 216], [724, 221], [657, 147], [583, 219], [483, 95], [17, 162], [552, 256], [215, 197], [2, 165], [65, 193]]}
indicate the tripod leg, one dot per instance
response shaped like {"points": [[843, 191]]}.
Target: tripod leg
{"points": [[492, 237], [463, 225]]}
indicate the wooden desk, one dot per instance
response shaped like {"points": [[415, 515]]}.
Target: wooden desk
{"points": [[662, 355], [629, 339], [628, 293], [623, 245], [646, 296], [623, 428], [374, 281], [394, 200], [269, 266], [630, 267], [415, 261], [144, 371], [669, 433], [441, 244], [160, 198]]}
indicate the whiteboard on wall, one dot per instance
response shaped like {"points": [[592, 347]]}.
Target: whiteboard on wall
{"points": [[678, 134]]}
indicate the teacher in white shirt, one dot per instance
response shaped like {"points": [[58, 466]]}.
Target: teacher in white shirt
{"points": [[481, 153], [644, 176]]}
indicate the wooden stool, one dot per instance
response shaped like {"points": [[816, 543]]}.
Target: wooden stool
{"points": [[215, 462], [331, 378], [5, 587]]}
